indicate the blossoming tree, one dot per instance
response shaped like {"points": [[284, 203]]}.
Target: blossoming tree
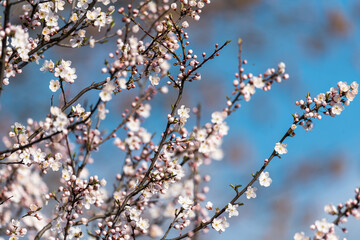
{"points": [[157, 192]]}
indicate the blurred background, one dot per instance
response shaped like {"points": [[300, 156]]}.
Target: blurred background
{"points": [[320, 43]]}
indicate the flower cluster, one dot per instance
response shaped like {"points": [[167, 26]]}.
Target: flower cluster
{"points": [[330, 103], [107, 91], [15, 230], [62, 69], [59, 122], [326, 230], [20, 42], [210, 136], [97, 17], [246, 84]]}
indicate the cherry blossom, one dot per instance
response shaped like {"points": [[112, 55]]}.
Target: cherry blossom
{"points": [[264, 179], [251, 192], [280, 148], [301, 236], [232, 210], [54, 85], [220, 224]]}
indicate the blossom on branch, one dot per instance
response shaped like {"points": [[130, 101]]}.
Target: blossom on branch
{"points": [[232, 210], [251, 192], [220, 224], [280, 148], [264, 179]]}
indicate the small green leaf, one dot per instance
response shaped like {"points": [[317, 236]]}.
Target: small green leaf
{"points": [[112, 23]]}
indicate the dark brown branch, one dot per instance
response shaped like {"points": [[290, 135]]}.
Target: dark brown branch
{"points": [[238, 194], [46, 45], [3, 47], [239, 58], [57, 132], [5, 200]]}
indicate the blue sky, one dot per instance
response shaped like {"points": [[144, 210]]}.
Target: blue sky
{"points": [[319, 42]]}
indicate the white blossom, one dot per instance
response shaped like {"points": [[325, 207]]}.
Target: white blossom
{"points": [[66, 174], [264, 179], [154, 80], [133, 124], [232, 210], [218, 117], [106, 92], [185, 202], [183, 112], [343, 87], [323, 226], [251, 192], [281, 67], [143, 223], [280, 148], [300, 236], [220, 224], [337, 108], [54, 85], [75, 232], [258, 82], [330, 209]]}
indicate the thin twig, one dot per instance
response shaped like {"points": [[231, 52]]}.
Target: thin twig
{"points": [[3, 47]]}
